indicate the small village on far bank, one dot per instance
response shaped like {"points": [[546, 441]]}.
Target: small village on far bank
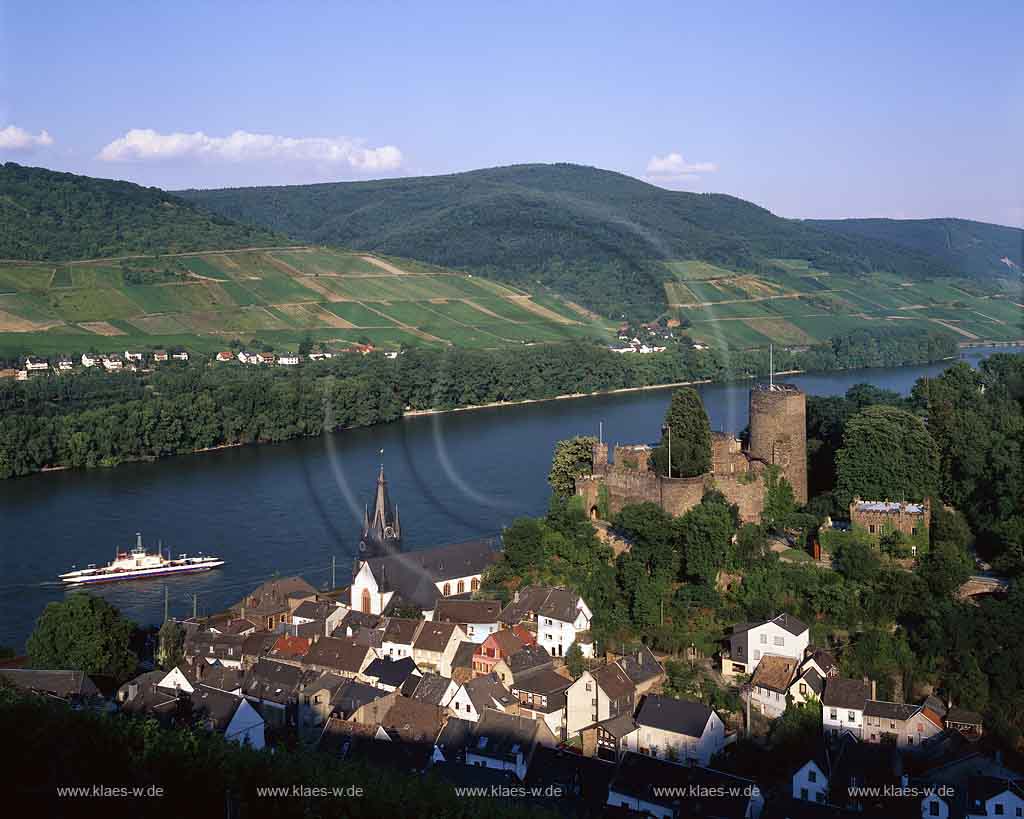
{"points": [[424, 663]]}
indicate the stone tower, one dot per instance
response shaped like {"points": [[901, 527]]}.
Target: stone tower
{"points": [[778, 432], [382, 532]]}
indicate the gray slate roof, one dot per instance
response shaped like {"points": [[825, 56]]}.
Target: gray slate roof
{"points": [[641, 665], [429, 688], [391, 672], [890, 710], [273, 681], [63, 684], [843, 693], [484, 691], [545, 601], [501, 736], [669, 714]]}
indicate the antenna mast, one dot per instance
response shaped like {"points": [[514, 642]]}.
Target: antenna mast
{"points": [[771, 366]]}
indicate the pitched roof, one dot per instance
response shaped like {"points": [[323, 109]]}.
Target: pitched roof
{"points": [[291, 648], [316, 609], [453, 610], [825, 660], [339, 734], [784, 621], [255, 645], [434, 636], [274, 596], [613, 680], [506, 641], [890, 710], [63, 684], [644, 777], [548, 601], [270, 680], [843, 693], [401, 630], [391, 672], [215, 707], [544, 681], [813, 680], [619, 726], [641, 665], [413, 721], [775, 673], [353, 695], [464, 655], [485, 691], [355, 618], [502, 736], [412, 575], [430, 688], [963, 716], [455, 736], [669, 714], [337, 653], [527, 659], [216, 676]]}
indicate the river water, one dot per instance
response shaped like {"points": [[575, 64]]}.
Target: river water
{"points": [[293, 507]]}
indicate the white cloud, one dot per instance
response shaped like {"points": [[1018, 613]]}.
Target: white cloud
{"points": [[242, 146], [13, 138], [673, 166]]}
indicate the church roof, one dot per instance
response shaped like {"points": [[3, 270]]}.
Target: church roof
{"points": [[382, 530]]}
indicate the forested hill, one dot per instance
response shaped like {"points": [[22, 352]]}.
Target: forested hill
{"points": [[595, 235], [61, 216], [975, 248]]}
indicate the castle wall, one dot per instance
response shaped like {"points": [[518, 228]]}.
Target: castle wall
{"points": [[778, 432]]}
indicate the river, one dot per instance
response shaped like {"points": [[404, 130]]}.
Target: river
{"points": [[290, 508]]}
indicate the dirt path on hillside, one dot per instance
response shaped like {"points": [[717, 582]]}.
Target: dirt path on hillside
{"points": [[313, 284], [954, 328], [10, 323], [538, 310], [384, 265]]}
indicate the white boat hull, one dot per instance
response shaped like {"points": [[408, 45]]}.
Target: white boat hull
{"points": [[100, 576]]}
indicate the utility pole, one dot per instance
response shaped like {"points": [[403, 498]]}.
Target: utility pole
{"points": [[167, 604], [669, 428], [771, 366], [333, 584], [600, 432], [195, 605]]}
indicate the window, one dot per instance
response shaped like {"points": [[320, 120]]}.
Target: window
{"points": [[812, 776], [757, 655], [851, 717], [475, 584], [999, 808], [933, 808], [588, 686], [779, 641], [447, 589], [832, 713], [764, 639], [910, 739], [803, 794], [871, 528], [803, 689], [892, 724], [366, 601], [913, 530], [819, 796], [461, 587]]}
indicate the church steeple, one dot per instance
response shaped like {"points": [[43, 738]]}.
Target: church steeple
{"points": [[382, 532]]}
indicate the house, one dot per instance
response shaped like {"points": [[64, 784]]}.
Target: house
{"points": [[159, 355], [771, 682], [213, 676], [430, 688], [478, 618], [275, 601], [479, 694], [390, 675], [181, 355], [399, 635], [247, 358], [507, 742], [783, 636], [275, 688], [90, 360], [228, 714], [132, 356], [320, 356], [560, 615], [74, 687], [255, 646], [462, 662], [652, 787], [265, 358], [991, 796], [230, 625], [215, 648], [643, 669], [596, 696], [901, 724], [879, 517], [528, 659], [65, 364], [541, 696], [607, 739], [451, 743], [580, 782], [848, 775], [288, 360], [968, 723], [224, 355], [817, 667], [420, 578], [676, 730], [343, 656], [289, 649], [412, 728], [326, 611], [435, 646], [843, 704], [112, 362], [33, 364], [497, 646], [359, 702]]}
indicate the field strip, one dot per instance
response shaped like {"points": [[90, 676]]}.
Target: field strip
{"points": [[10, 323], [101, 328], [283, 266], [759, 298], [538, 310], [482, 309], [390, 268], [312, 284], [408, 327], [327, 316], [990, 318], [954, 328]]}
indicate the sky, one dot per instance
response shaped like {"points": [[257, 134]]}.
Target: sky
{"points": [[826, 110]]}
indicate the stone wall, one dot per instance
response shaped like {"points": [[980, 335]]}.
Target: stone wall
{"points": [[899, 517]]}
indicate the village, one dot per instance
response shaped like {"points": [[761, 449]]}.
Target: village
{"points": [[412, 667]]}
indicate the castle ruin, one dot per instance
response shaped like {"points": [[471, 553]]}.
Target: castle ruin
{"points": [[778, 436]]}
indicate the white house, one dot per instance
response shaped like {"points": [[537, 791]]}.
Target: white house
{"points": [[36, 364], [329, 611], [842, 706], [478, 618], [130, 356], [435, 646], [507, 742], [288, 360], [783, 636], [478, 695], [596, 696], [181, 355], [89, 360], [112, 362], [560, 615], [676, 730], [771, 683], [230, 714], [810, 782], [65, 364], [225, 355], [320, 356]]}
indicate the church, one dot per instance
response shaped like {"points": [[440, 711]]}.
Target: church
{"points": [[385, 578]]}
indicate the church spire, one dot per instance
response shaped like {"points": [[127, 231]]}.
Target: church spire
{"points": [[381, 531]]}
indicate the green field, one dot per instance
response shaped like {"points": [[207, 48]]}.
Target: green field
{"points": [[204, 300]]}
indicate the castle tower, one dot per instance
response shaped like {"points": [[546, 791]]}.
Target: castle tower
{"points": [[778, 432], [382, 532]]}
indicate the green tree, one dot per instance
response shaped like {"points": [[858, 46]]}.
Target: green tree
{"points": [[575, 661], [573, 457], [779, 501], [856, 557], [705, 535], [690, 434], [887, 454], [945, 568], [85, 633], [171, 645]]}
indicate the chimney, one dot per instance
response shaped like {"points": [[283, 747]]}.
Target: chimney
{"points": [[640, 656], [873, 690], [515, 597]]}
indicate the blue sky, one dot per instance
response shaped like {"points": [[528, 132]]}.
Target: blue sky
{"points": [[812, 110]]}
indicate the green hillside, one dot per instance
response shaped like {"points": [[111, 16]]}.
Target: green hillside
{"points": [[974, 248], [58, 216], [595, 236]]}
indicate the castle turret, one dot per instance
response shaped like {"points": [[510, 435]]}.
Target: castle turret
{"points": [[778, 432]]}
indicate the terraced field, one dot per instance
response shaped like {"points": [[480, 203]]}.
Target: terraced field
{"points": [[204, 300], [798, 304]]}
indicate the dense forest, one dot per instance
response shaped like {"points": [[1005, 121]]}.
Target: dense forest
{"points": [[903, 628], [591, 234], [61, 216], [974, 248], [100, 419]]}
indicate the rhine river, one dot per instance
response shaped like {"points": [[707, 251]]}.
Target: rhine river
{"points": [[290, 508]]}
